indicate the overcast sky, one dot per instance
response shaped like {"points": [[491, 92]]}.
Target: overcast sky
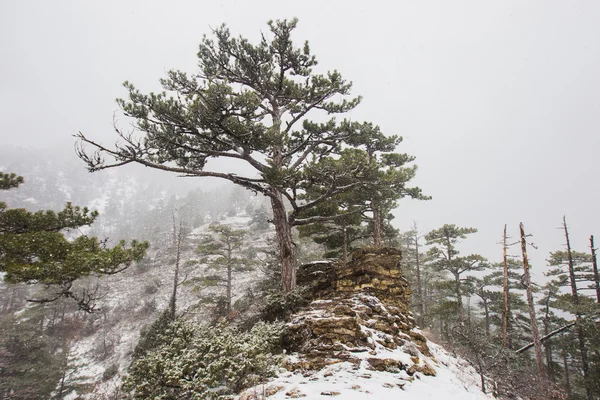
{"points": [[499, 101]]}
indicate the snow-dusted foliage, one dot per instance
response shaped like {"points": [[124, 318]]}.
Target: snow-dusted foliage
{"points": [[205, 362]]}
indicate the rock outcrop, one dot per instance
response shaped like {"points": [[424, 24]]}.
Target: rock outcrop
{"points": [[356, 308], [357, 340]]}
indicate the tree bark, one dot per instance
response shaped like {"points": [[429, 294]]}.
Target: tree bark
{"points": [[595, 266], [580, 335], [283, 231], [534, 326], [377, 234], [505, 294]]}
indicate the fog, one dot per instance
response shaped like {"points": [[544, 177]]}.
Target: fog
{"points": [[499, 102]]}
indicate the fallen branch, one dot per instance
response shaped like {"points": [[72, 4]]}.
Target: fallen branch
{"points": [[548, 336]]}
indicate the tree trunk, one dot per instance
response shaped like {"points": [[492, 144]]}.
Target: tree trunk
{"points": [[177, 243], [461, 316], [345, 250], [62, 385], [566, 367], [505, 295], [229, 274], [377, 234], [459, 302], [547, 343], [580, 335], [595, 266], [486, 310], [534, 327], [287, 253], [481, 374], [421, 305]]}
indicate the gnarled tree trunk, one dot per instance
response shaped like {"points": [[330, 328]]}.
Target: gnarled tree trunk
{"points": [[287, 252]]}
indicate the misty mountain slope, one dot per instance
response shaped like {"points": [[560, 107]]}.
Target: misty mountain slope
{"points": [[134, 299]]}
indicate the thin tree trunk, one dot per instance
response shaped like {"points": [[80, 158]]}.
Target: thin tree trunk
{"points": [[481, 374], [457, 288], [418, 268], [566, 367], [345, 249], [534, 327], [595, 266], [487, 318], [580, 335], [177, 237], [377, 234], [548, 344], [62, 385], [287, 253], [459, 302], [469, 312], [229, 273], [505, 295]]}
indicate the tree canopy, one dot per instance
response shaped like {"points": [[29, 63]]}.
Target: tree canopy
{"points": [[34, 249], [250, 103]]}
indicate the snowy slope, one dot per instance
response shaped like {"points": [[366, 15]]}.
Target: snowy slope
{"points": [[454, 380]]}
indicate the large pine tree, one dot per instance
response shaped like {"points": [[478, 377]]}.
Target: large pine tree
{"points": [[250, 103]]}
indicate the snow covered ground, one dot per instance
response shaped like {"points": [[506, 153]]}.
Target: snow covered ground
{"points": [[455, 380]]}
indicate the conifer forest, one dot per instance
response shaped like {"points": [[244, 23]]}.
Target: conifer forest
{"points": [[248, 221]]}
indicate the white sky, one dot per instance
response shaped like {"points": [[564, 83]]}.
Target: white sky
{"points": [[499, 101]]}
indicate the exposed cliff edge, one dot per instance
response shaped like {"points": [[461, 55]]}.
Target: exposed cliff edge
{"points": [[357, 338]]}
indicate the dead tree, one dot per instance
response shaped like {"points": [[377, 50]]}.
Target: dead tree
{"points": [[595, 266], [534, 327], [505, 305], [575, 296]]}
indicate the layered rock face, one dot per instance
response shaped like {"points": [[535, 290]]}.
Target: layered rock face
{"points": [[357, 310]]}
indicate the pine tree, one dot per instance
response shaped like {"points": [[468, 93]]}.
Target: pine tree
{"points": [[511, 317], [337, 235], [34, 249], [570, 269], [225, 255], [414, 260], [445, 257], [250, 103]]}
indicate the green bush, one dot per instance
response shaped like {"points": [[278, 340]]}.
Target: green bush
{"points": [[280, 305], [205, 362]]}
